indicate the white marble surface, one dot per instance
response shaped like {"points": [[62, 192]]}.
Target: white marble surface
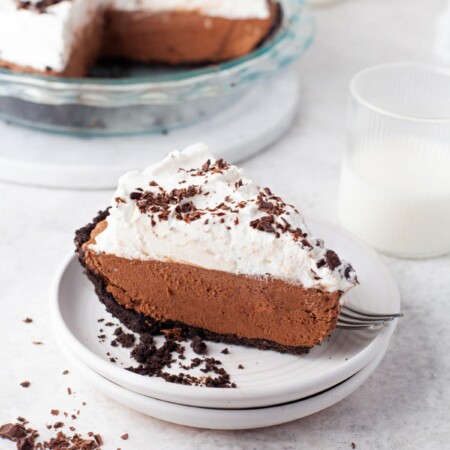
{"points": [[405, 404]]}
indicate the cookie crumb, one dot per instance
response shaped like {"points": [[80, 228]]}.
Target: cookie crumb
{"points": [[125, 340], [198, 346]]}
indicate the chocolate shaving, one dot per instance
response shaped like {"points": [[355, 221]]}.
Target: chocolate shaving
{"points": [[332, 259], [347, 272], [264, 224], [13, 432], [206, 166], [266, 206], [136, 195], [40, 6], [306, 243], [160, 203], [221, 164], [25, 439], [75, 442]]}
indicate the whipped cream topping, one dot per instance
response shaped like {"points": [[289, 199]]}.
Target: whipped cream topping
{"points": [[41, 35], [230, 9], [42, 38], [193, 209]]}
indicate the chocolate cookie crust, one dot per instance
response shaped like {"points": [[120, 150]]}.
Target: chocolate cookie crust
{"points": [[141, 323]]}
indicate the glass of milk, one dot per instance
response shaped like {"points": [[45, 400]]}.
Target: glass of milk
{"points": [[395, 176]]}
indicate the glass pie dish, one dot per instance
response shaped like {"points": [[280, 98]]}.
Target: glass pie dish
{"points": [[121, 100]]}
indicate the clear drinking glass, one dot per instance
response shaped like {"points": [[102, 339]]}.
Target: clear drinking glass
{"points": [[395, 175]]}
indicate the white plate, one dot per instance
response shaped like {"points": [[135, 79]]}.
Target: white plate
{"points": [[269, 378], [225, 419]]}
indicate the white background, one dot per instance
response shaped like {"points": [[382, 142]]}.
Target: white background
{"points": [[405, 404]]}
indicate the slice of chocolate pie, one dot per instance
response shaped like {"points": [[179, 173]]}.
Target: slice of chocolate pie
{"points": [[192, 243]]}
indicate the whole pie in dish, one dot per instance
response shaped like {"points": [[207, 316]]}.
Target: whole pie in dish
{"points": [[65, 37], [191, 242]]}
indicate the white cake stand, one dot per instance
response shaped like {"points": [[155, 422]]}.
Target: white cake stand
{"points": [[42, 159]]}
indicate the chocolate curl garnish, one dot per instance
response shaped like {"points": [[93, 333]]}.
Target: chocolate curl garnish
{"points": [[264, 224], [332, 259], [206, 166], [266, 206]]}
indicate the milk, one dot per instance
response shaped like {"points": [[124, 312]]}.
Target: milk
{"points": [[395, 195]]}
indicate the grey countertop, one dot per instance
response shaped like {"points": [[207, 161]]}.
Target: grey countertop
{"points": [[405, 403]]}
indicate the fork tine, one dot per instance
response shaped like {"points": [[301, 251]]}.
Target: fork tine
{"points": [[365, 319], [361, 323], [371, 315], [342, 326]]}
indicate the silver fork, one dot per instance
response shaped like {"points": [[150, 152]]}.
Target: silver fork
{"points": [[351, 318]]}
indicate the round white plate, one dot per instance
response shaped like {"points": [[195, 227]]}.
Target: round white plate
{"points": [[225, 419], [269, 377], [243, 129]]}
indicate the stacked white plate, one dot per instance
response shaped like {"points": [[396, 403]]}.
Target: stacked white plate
{"points": [[271, 388]]}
